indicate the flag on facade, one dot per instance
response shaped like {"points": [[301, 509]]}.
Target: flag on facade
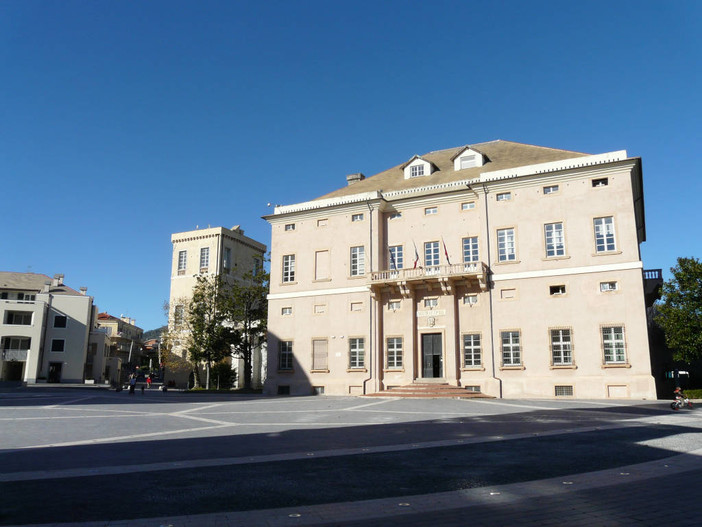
{"points": [[416, 255], [445, 251]]}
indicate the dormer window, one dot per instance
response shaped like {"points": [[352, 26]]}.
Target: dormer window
{"points": [[417, 170], [468, 158]]}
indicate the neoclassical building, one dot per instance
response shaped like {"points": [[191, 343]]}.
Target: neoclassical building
{"points": [[500, 267]]}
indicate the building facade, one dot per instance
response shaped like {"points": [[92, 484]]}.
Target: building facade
{"points": [[125, 342], [214, 251], [45, 328], [501, 267]]}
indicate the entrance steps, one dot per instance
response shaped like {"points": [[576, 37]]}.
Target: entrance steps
{"points": [[430, 390]]}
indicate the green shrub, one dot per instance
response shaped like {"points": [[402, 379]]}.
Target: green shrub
{"points": [[694, 394]]}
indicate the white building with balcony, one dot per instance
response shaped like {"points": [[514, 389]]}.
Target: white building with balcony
{"points": [[44, 329]]}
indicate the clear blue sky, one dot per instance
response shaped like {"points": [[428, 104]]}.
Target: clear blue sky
{"points": [[122, 122]]}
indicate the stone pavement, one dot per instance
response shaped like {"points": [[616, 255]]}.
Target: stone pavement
{"points": [[347, 461]]}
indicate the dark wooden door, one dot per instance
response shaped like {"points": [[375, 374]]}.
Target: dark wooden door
{"points": [[432, 364]]}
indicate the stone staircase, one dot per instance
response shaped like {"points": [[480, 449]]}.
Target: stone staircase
{"points": [[430, 390]]}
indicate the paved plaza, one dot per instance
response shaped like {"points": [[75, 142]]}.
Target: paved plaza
{"points": [[93, 457]]}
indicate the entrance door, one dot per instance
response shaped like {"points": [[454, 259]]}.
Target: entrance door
{"points": [[431, 356], [54, 372]]}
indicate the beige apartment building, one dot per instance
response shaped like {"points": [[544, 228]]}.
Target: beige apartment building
{"points": [[217, 251], [500, 267]]}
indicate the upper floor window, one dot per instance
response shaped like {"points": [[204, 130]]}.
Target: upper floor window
{"points": [[286, 311], [289, 226], [16, 343], [557, 290], [357, 217], [470, 300], [468, 205], [604, 234], [431, 254], [606, 287], [58, 345], [182, 261], [18, 318], [60, 321], [416, 170], [600, 182], [257, 266], [470, 249], [179, 315], [227, 258], [204, 258], [289, 268], [394, 305], [358, 261], [468, 161], [550, 189], [504, 196], [431, 210], [396, 257], [322, 222], [506, 245], [430, 303], [555, 241]]}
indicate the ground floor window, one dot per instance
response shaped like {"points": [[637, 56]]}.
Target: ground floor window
{"points": [[471, 350], [394, 352], [357, 353], [511, 348], [285, 355], [561, 347], [613, 344]]}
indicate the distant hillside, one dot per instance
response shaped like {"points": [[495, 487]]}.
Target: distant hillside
{"points": [[154, 333]]}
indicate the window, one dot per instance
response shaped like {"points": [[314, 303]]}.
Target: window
{"points": [[431, 254], [60, 321], [600, 182], [417, 170], [19, 318], [470, 300], [356, 353], [286, 311], [557, 290], [320, 355], [429, 211], [604, 234], [504, 196], [357, 217], [322, 222], [396, 257], [3, 295], [607, 287], [468, 205], [394, 352], [358, 261], [431, 303], [550, 189], [257, 266], [227, 258], [555, 242], [289, 227], [470, 249], [356, 306], [613, 345], [508, 293], [394, 305], [511, 349], [564, 391], [285, 355], [182, 261], [319, 309], [289, 268], [395, 215], [506, 247], [204, 258], [468, 161], [26, 297], [561, 347], [57, 345], [16, 343], [471, 350]]}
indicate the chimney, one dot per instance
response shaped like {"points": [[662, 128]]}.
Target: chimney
{"points": [[47, 287], [354, 178], [58, 280], [83, 290]]}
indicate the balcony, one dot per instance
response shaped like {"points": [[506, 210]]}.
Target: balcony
{"points": [[653, 285], [445, 276]]}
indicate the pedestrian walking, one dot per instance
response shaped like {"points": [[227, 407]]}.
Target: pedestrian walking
{"points": [[132, 384]]}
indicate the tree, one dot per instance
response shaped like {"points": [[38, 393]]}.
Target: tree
{"points": [[680, 313], [210, 336], [247, 312]]}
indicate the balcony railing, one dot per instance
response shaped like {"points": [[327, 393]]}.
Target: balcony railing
{"points": [[461, 270]]}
